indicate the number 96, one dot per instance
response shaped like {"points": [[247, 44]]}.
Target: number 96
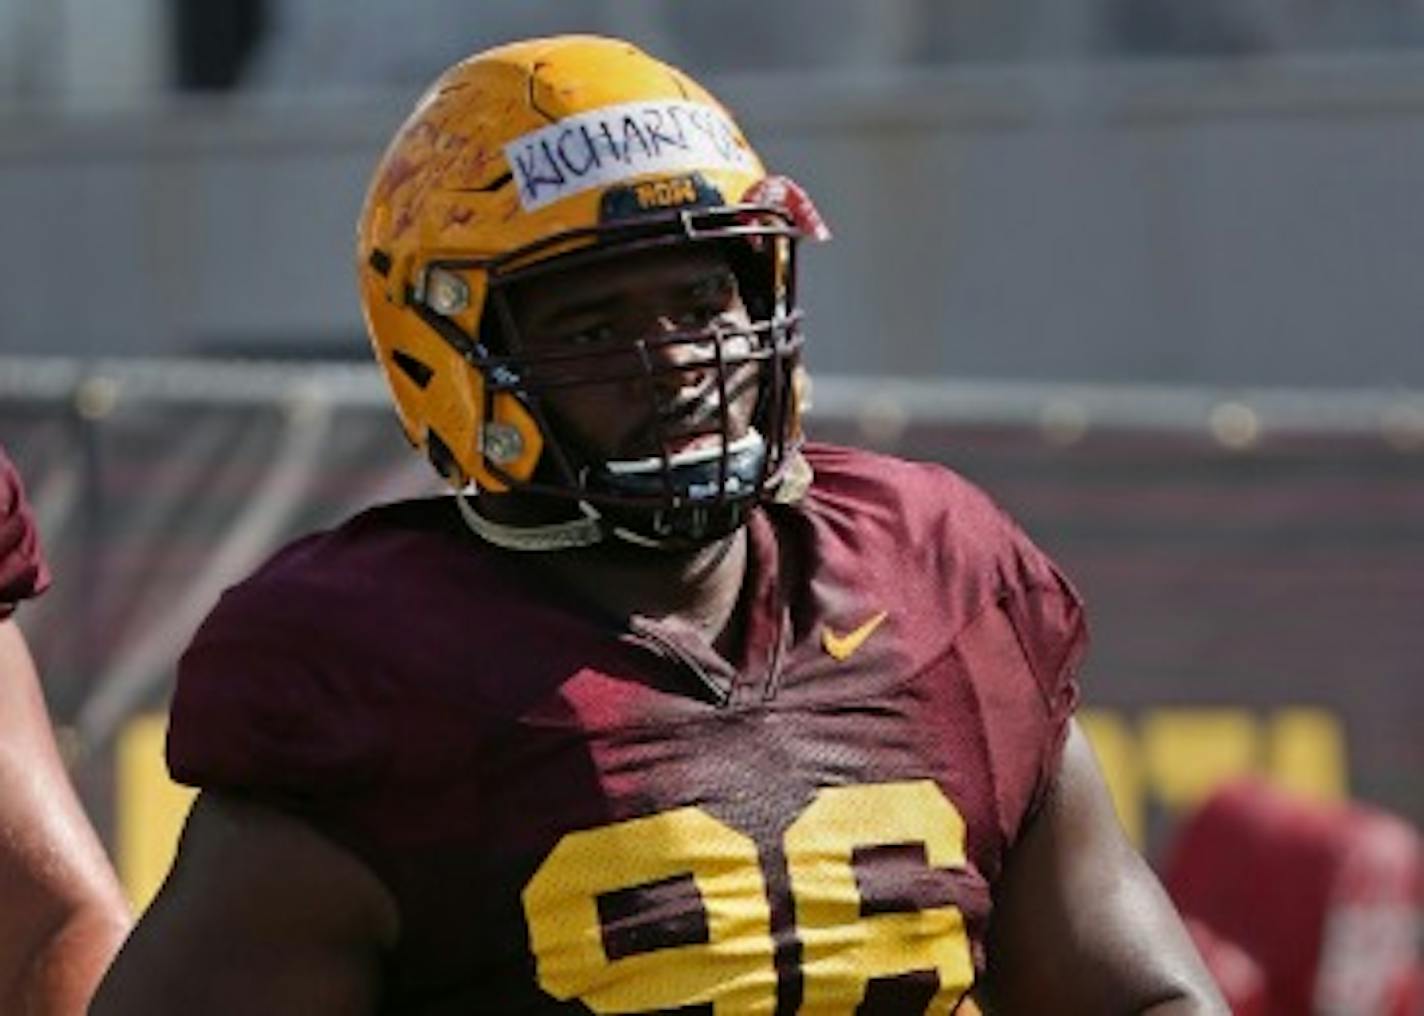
{"points": [[843, 949]]}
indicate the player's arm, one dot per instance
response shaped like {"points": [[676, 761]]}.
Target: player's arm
{"points": [[1081, 924], [62, 915], [260, 914]]}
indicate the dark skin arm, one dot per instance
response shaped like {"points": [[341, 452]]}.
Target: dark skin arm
{"points": [[1081, 924], [62, 915], [260, 914]]}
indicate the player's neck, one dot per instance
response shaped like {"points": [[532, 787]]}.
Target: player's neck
{"points": [[700, 587]]}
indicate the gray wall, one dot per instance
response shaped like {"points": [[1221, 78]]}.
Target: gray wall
{"points": [[1244, 223]]}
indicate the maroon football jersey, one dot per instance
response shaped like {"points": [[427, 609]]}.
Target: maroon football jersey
{"points": [[577, 814], [23, 572]]}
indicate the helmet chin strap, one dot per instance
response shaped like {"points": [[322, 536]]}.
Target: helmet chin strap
{"points": [[594, 527], [588, 531], [570, 535]]}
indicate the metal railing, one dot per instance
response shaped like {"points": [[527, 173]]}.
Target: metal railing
{"points": [[881, 406]]}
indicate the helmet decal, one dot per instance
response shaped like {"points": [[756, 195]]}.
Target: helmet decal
{"points": [[629, 201], [786, 194]]}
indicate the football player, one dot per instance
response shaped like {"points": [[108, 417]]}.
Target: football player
{"points": [[666, 709], [62, 915]]}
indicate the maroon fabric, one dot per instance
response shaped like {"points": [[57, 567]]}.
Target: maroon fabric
{"points": [[23, 572], [419, 697]]}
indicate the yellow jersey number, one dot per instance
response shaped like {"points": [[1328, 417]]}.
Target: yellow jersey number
{"points": [[842, 949]]}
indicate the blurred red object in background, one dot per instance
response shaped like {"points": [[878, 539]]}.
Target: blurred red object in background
{"points": [[1324, 898], [1241, 979]]}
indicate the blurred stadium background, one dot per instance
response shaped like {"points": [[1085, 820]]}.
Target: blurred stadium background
{"points": [[1146, 269]]}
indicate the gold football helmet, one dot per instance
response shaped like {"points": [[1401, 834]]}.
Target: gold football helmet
{"points": [[540, 154]]}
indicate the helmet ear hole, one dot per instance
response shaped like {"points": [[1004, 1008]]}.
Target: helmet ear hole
{"points": [[417, 370], [443, 459], [380, 262]]}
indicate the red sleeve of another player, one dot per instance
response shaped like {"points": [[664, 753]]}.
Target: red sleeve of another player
{"points": [[266, 704], [23, 572]]}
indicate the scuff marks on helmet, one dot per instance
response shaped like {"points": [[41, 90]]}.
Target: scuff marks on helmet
{"points": [[539, 65], [397, 173], [403, 223], [433, 156], [407, 178], [457, 215]]}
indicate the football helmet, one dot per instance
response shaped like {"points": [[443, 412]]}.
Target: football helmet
{"points": [[541, 156]]}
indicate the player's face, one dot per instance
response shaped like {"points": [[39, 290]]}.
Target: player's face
{"points": [[662, 305]]}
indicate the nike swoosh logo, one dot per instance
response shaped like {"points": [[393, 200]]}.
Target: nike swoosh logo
{"points": [[842, 647]]}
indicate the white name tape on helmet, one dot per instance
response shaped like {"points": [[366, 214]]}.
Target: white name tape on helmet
{"points": [[620, 142]]}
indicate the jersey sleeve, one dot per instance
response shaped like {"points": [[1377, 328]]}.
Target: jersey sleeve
{"points": [[1022, 638], [23, 571], [1048, 614], [273, 701], [1049, 626]]}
